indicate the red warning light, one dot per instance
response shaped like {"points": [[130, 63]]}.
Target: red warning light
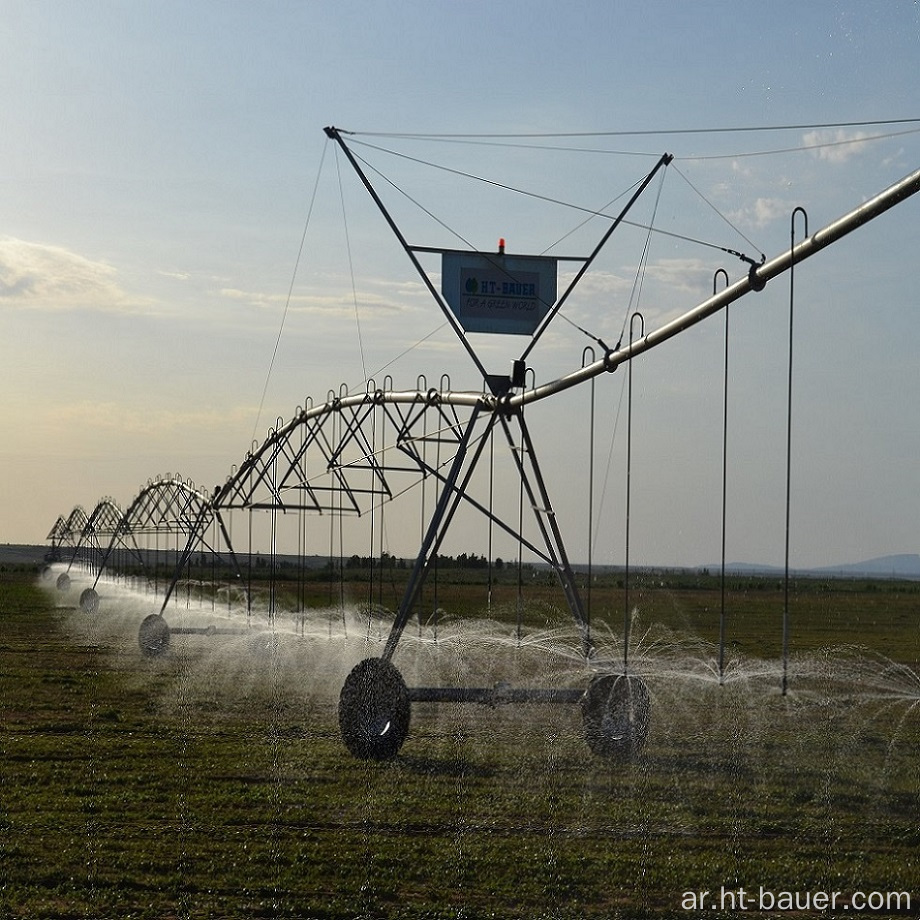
{"points": [[501, 246]]}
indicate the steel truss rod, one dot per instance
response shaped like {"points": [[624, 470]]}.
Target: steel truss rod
{"points": [[643, 185], [119, 536], [549, 526], [435, 471], [755, 280], [437, 527], [295, 490], [104, 518], [166, 505], [334, 134], [196, 538], [454, 491]]}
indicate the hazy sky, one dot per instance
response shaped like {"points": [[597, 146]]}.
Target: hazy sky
{"points": [[160, 160]]}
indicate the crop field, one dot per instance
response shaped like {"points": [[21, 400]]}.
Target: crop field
{"points": [[212, 782]]}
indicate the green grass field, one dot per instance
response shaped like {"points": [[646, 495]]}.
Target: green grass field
{"points": [[213, 783]]}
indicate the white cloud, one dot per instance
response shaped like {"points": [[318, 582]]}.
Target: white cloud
{"points": [[38, 276], [337, 303], [681, 274], [761, 212], [742, 170], [127, 420], [597, 283], [835, 146]]}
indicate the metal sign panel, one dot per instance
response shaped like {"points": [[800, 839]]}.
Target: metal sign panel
{"points": [[498, 293]]}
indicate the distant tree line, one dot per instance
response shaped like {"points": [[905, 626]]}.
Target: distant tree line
{"points": [[463, 561]]}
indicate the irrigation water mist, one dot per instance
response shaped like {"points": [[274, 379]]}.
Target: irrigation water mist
{"points": [[302, 659], [827, 766], [817, 788]]}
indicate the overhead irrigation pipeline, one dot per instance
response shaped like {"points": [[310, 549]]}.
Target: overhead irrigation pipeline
{"points": [[755, 280]]}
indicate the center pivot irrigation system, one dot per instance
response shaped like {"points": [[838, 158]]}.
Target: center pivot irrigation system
{"points": [[356, 452]]}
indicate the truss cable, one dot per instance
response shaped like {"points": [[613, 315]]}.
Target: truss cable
{"points": [[801, 148], [575, 229], [465, 175], [636, 293], [549, 148], [561, 148], [590, 335], [661, 165], [408, 197], [601, 212], [591, 212], [719, 213], [402, 354], [351, 267], [646, 133], [287, 302], [333, 133]]}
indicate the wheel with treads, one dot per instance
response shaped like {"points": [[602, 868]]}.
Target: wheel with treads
{"points": [[153, 636], [616, 711], [374, 710], [89, 600]]}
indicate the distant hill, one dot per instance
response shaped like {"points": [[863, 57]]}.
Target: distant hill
{"points": [[902, 565]]}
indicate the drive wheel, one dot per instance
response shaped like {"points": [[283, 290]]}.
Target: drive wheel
{"points": [[89, 600], [374, 710], [153, 636], [616, 710]]}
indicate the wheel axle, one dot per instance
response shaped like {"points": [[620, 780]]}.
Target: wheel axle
{"points": [[375, 705]]}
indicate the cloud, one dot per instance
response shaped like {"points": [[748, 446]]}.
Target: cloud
{"points": [[38, 276], [389, 299], [761, 212], [836, 146], [597, 283], [123, 420], [691, 275]]}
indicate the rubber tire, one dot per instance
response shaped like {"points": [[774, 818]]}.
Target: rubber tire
{"points": [[63, 582], [616, 710], [89, 600], [374, 710], [153, 636]]}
